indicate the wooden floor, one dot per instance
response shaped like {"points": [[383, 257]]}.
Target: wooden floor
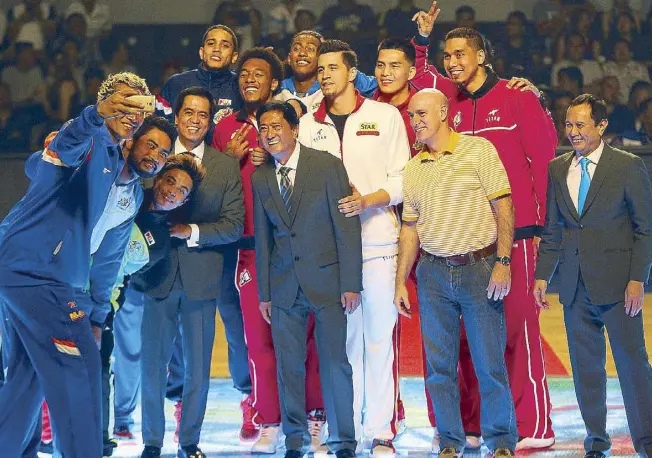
{"points": [[552, 330]]}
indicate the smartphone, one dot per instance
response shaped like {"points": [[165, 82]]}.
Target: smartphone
{"points": [[147, 100]]}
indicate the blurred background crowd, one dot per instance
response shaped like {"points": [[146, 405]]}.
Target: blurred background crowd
{"points": [[53, 60]]}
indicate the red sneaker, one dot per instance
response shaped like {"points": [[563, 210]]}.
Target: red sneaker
{"points": [[177, 417], [249, 431]]}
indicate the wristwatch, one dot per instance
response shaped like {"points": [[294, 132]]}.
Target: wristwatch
{"points": [[504, 260]]}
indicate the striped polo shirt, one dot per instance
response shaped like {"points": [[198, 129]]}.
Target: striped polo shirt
{"points": [[449, 197]]}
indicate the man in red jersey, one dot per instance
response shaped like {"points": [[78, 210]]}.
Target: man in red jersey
{"points": [[524, 135], [259, 73]]}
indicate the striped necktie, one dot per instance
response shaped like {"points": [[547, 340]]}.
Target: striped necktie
{"points": [[286, 187], [585, 184]]}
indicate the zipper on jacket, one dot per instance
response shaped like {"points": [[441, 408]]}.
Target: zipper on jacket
{"points": [[475, 108]]}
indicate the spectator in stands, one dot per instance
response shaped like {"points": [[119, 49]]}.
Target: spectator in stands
{"points": [[353, 23], [516, 47], [620, 118], [610, 10], [170, 67], [76, 64], [61, 96], [32, 21], [74, 28], [625, 68], [281, 20], [548, 18], [116, 56], [581, 22], [3, 28], [243, 19], [562, 101], [570, 80], [645, 122], [97, 15], [625, 29], [14, 128], [25, 77], [397, 22], [93, 77], [640, 91], [305, 20], [574, 57], [540, 72], [465, 17]]}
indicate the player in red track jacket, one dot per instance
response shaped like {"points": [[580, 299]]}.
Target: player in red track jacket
{"points": [[524, 135]]}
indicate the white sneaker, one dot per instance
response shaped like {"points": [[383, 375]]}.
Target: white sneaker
{"points": [[533, 443], [401, 428], [473, 443], [267, 440], [435, 441], [316, 428]]}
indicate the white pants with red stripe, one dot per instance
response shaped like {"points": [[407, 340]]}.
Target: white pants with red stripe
{"points": [[371, 345]]}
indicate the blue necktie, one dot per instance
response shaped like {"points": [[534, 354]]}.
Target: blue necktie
{"points": [[585, 184], [286, 187]]}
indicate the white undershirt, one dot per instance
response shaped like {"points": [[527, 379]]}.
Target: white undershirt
{"points": [[575, 171]]}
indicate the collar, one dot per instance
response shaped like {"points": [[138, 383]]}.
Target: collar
{"points": [[321, 112], [402, 107], [198, 151], [594, 156], [288, 83], [133, 176], [489, 83], [425, 156], [214, 75], [293, 162]]}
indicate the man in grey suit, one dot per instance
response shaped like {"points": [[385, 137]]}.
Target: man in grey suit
{"points": [[599, 234], [309, 259], [185, 285]]}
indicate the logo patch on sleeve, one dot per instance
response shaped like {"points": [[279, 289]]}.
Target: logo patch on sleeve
{"points": [[368, 128], [149, 238], [77, 315], [66, 347], [221, 114]]}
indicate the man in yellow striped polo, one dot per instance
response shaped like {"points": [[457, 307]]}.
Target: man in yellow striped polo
{"points": [[457, 207]]}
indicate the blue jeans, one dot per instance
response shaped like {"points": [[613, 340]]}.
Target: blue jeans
{"points": [[445, 294]]}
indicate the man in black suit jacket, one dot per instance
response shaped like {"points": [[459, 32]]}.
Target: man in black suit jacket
{"points": [[309, 259], [185, 285], [599, 233]]}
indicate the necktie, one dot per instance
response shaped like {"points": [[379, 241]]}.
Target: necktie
{"points": [[286, 187], [585, 183]]}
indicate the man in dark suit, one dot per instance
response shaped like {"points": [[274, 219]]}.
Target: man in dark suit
{"points": [[309, 259], [185, 285], [599, 233]]}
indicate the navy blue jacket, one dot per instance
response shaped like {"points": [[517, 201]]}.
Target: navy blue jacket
{"points": [[222, 84], [46, 236]]}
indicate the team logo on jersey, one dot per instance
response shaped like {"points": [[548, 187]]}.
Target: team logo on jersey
{"points": [[135, 247], [457, 120], [368, 128], [72, 304], [221, 114], [245, 277], [221, 102], [319, 136], [315, 105], [149, 238], [124, 203], [77, 315], [493, 116]]}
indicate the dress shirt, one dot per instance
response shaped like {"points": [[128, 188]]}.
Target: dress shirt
{"points": [[292, 163], [575, 171], [193, 241]]}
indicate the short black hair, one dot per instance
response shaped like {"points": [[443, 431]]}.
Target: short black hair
{"points": [[228, 30], [312, 33], [465, 9], [598, 106], [474, 38], [199, 92], [573, 73], [156, 122], [304, 108], [288, 111], [268, 56], [187, 163], [574, 35], [400, 44], [520, 15], [348, 55]]}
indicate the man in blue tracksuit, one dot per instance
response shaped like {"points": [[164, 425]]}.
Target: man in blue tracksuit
{"points": [[45, 262]]}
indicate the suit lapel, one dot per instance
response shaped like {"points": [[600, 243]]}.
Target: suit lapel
{"points": [[565, 166], [601, 172], [270, 174], [300, 179]]}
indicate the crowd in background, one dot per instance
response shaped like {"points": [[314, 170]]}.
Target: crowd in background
{"points": [[52, 62]]}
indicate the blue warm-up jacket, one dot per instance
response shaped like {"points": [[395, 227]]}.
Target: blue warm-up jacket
{"points": [[46, 236]]}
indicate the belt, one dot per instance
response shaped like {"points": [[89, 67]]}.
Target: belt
{"points": [[462, 259]]}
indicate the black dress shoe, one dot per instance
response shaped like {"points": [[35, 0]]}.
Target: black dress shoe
{"points": [[595, 454], [151, 452], [190, 451], [345, 453], [294, 454]]}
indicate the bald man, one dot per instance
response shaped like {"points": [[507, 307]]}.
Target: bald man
{"points": [[464, 224]]}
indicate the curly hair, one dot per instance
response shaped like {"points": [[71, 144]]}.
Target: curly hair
{"points": [[130, 79], [264, 54]]}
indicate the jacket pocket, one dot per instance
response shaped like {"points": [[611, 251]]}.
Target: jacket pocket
{"points": [[327, 258]]}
